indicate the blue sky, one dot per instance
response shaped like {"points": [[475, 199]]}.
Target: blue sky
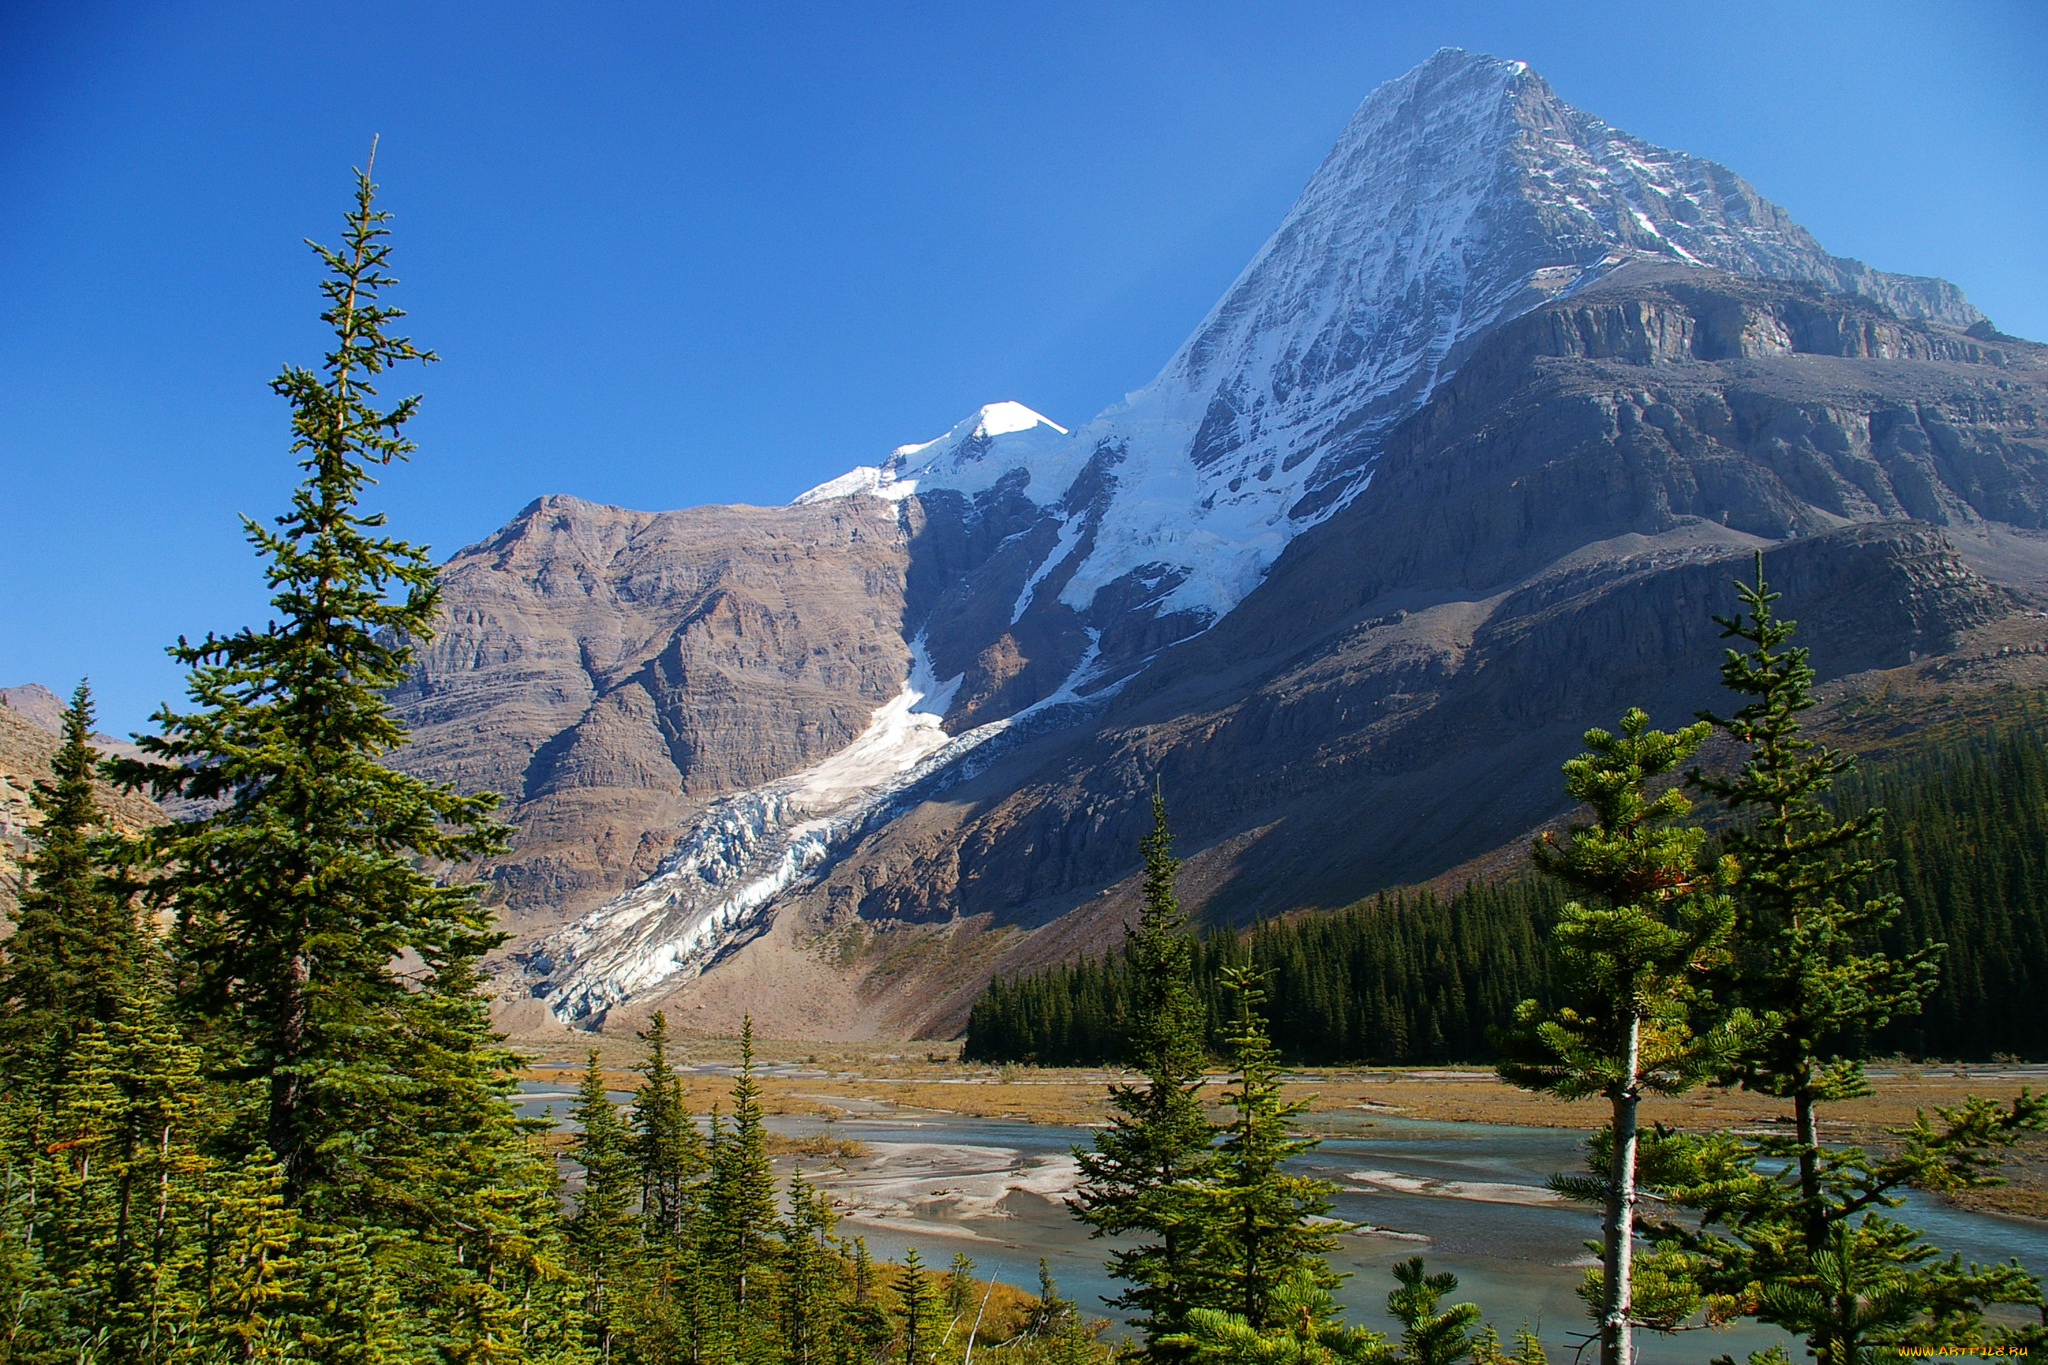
{"points": [[685, 253]]}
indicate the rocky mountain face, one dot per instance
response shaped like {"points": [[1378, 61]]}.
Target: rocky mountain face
{"points": [[1461, 464]]}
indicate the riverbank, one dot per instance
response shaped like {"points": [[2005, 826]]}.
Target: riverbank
{"points": [[830, 1082]]}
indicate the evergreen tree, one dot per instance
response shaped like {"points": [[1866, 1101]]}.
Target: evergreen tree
{"points": [[740, 1202], [126, 1126], [334, 983], [33, 1324], [1805, 968], [920, 1308], [1260, 1227], [1632, 960], [867, 1329], [959, 1288], [296, 898], [810, 1276], [1402, 977], [1054, 1325], [1795, 1231], [1141, 1175], [603, 1233], [1305, 1331], [65, 965], [667, 1149], [1429, 1337]]}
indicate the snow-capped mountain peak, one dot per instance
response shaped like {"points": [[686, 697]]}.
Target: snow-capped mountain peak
{"points": [[993, 439], [1046, 567], [1458, 195]]}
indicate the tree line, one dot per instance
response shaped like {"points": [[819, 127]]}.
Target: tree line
{"points": [[1409, 977], [1406, 976]]}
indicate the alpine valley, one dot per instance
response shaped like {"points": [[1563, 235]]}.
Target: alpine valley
{"points": [[1461, 464]]}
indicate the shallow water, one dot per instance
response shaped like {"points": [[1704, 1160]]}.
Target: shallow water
{"points": [[1467, 1196]]}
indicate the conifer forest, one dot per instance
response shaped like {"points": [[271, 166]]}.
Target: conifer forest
{"points": [[255, 1111]]}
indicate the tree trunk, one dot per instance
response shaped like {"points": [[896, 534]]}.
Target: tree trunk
{"points": [[1617, 1334], [1814, 1214], [287, 1086]]}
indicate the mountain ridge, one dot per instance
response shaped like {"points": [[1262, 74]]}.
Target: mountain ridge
{"points": [[1503, 377]]}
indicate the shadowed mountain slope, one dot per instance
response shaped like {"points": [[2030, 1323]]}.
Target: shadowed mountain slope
{"points": [[1461, 464]]}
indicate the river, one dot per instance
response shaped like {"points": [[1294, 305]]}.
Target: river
{"points": [[1467, 1196]]}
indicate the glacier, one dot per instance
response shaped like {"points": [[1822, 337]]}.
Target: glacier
{"points": [[1458, 196]]}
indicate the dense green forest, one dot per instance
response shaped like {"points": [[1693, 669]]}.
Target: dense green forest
{"points": [[1403, 977], [1412, 977]]}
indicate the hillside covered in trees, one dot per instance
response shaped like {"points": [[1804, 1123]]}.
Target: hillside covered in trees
{"points": [[1410, 977]]}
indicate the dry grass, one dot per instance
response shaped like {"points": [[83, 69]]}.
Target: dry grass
{"points": [[823, 1146]]}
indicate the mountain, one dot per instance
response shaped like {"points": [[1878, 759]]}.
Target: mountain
{"points": [[1459, 465]]}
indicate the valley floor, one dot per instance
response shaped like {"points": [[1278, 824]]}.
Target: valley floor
{"points": [[838, 1080]]}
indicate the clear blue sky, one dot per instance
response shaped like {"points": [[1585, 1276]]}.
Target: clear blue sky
{"points": [[681, 253]]}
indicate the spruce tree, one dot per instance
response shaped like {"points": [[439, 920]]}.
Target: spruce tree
{"points": [[1054, 1326], [809, 1294], [65, 966], [740, 1201], [867, 1329], [1805, 966], [918, 1304], [1306, 1332], [127, 1126], [299, 896], [334, 983], [1795, 1231], [603, 1234], [1632, 958], [1146, 1164], [667, 1149], [959, 1288], [1261, 1227]]}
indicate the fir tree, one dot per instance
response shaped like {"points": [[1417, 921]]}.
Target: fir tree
{"points": [[667, 1149], [810, 1276], [65, 965], [959, 1288], [1796, 1230], [33, 1324], [1261, 1227], [333, 981], [1054, 1325], [296, 898], [1305, 1331], [1787, 1228], [1140, 1176], [603, 1234], [1804, 967], [126, 1127], [919, 1308], [1631, 962], [867, 1330], [740, 1202]]}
